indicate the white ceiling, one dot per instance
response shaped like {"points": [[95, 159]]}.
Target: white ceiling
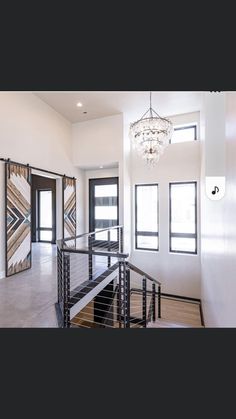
{"points": [[132, 104]]}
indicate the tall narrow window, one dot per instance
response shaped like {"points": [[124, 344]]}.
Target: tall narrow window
{"points": [[184, 134], [183, 217], [146, 217], [45, 215]]}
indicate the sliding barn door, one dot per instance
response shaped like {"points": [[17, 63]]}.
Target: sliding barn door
{"points": [[69, 207], [18, 218]]}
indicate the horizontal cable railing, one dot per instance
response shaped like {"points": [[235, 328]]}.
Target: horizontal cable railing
{"points": [[139, 271], [98, 287]]}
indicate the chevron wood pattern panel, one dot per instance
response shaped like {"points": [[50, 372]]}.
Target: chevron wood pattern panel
{"points": [[18, 218], [69, 202]]}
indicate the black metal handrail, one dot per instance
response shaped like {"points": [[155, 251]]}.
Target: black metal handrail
{"points": [[144, 274], [95, 252], [91, 233]]}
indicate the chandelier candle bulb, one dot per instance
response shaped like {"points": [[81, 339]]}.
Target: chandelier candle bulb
{"points": [[150, 135]]}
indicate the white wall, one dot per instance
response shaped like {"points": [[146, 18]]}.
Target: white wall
{"points": [[32, 132], [179, 273], [125, 181], [97, 142], [218, 287], [105, 141], [100, 142]]}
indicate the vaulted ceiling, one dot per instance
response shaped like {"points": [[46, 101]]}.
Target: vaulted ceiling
{"points": [[106, 103]]}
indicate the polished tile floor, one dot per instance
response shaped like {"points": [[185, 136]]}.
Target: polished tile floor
{"points": [[27, 299]]}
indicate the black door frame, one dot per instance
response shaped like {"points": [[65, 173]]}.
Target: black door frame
{"points": [[92, 183]]}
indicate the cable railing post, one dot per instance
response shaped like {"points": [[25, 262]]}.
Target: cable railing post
{"points": [[109, 248], [66, 274], [144, 302], [159, 302], [122, 305], [90, 257], [121, 239], [119, 303], [127, 297], [59, 276], [153, 302]]}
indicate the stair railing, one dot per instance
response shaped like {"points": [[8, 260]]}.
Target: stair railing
{"points": [[86, 263], [93, 268], [149, 291]]}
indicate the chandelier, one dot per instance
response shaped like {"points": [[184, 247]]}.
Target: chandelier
{"points": [[150, 135]]}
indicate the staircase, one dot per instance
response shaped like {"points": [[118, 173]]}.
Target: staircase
{"points": [[99, 288], [174, 314]]}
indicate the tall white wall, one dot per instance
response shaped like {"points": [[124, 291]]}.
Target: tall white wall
{"points": [[127, 190], [106, 141], [218, 286], [98, 142], [32, 132], [178, 273]]}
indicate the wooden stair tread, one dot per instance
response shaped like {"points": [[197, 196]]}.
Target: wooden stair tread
{"points": [[167, 323]]}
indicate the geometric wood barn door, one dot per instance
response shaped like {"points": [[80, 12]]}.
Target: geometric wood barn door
{"points": [[18, 218], [69, 207]]}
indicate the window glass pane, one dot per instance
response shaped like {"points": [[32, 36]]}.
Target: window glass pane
{"points": [[147, 208], [105, 190], [101, 236], [45, 209], [105, 213], [46, 235], [104, 235], [113, 235], [182, 244], [183, 135], [183, 208], [147, 242]]}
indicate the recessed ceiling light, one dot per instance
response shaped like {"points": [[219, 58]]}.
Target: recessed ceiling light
{"points": [[100, 167], [79, 104]]}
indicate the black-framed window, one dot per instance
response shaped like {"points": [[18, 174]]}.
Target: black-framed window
{"points": [[183, 134], [146, 217], [183, 217], [104, 207], [46, 222]]}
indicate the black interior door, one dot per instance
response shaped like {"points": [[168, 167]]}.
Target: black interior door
{"points": [[103, 208]]}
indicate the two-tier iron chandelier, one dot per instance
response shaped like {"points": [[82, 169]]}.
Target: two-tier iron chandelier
{"points": [[151, 135]]}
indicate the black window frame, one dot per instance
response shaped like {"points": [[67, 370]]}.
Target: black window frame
{"points": [[180, 128], [184, 235], [146, 233], [92, 183]]}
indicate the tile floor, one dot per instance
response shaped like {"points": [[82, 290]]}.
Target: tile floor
{"points": [[27, 299]]}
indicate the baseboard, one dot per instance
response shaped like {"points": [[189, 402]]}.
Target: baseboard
{"points": [[201, 315], [173, 296], [181, 297]]}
